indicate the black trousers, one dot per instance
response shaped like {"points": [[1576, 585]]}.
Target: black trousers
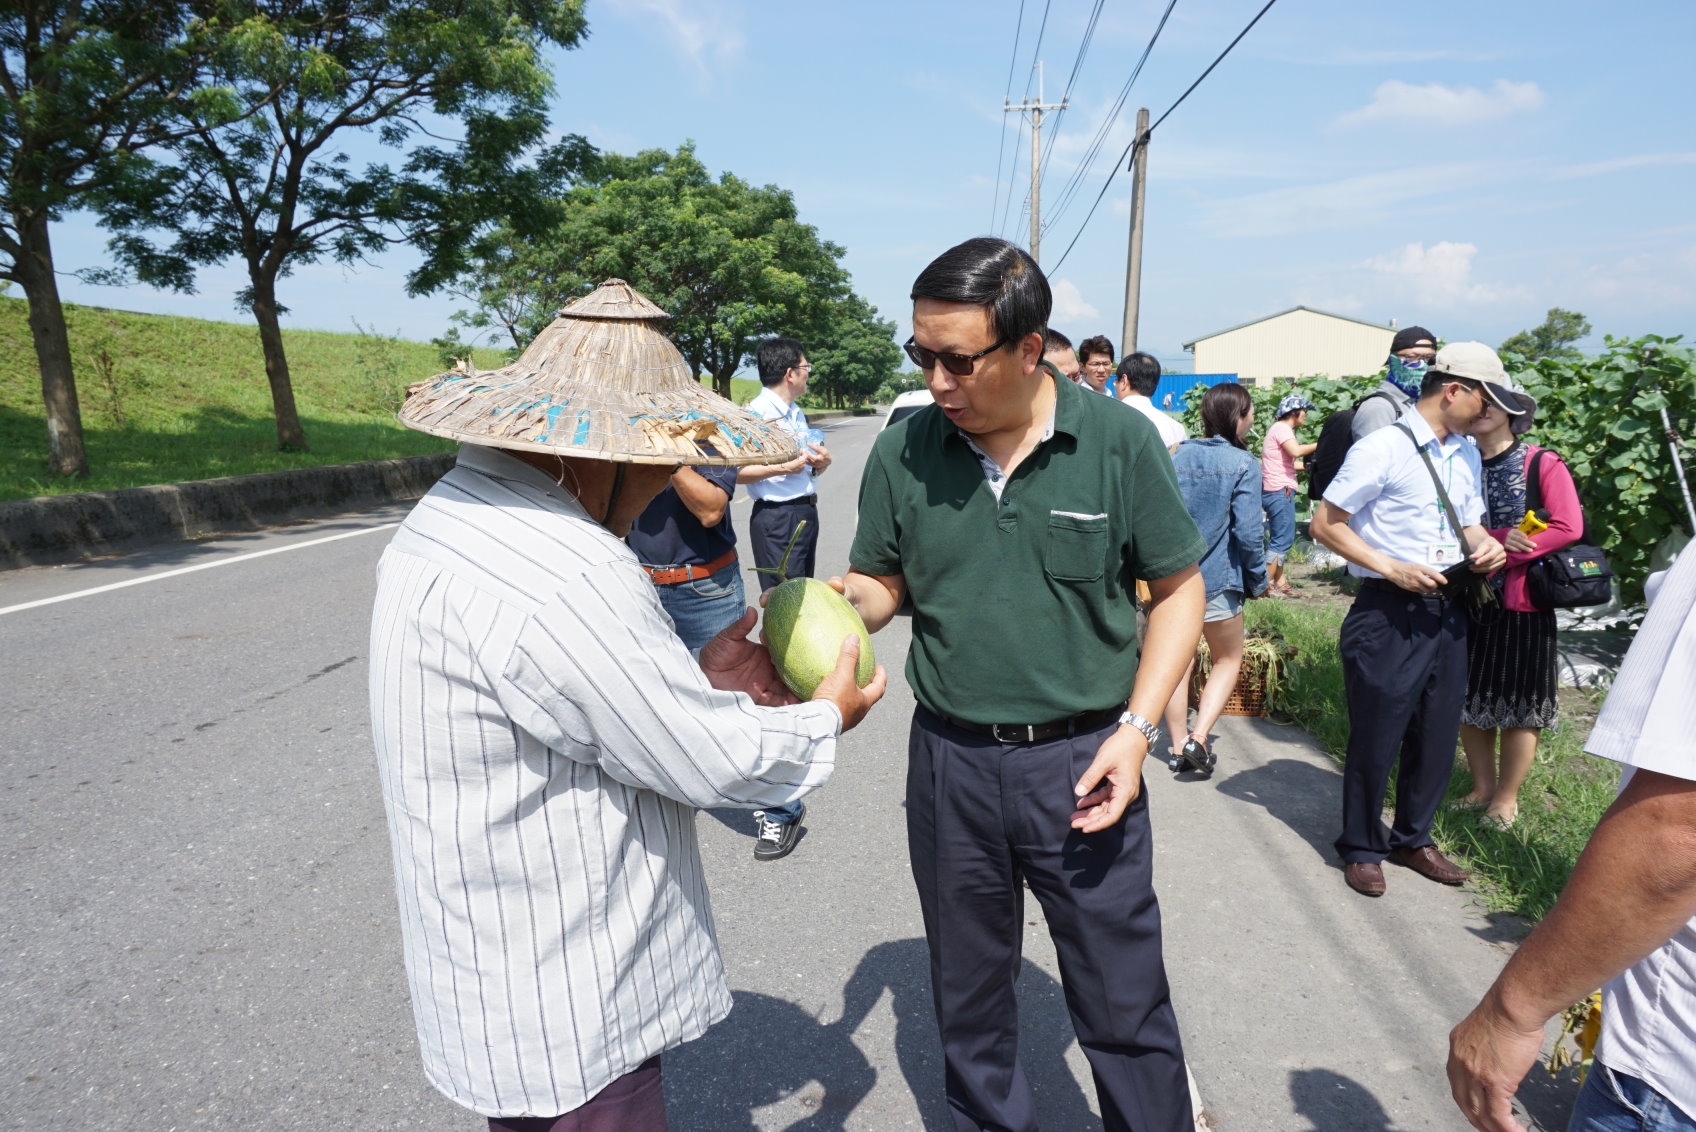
{"points": [[770, 526], [1404, 673], [980, 814]]}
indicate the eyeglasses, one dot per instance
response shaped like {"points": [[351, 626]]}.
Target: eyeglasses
{"points": [[808, 368], [1098, 365], [960, 365]]}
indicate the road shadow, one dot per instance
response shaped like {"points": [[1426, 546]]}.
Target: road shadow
{"points": [[770, 1050], [1332, 1102], [1304, 797]]}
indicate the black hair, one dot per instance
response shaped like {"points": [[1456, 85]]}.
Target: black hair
{"points": [[994, 274], [1434, 381], [1222, 410], [776, 357], [1053, 340], [1142, 371], [1096, 345]]}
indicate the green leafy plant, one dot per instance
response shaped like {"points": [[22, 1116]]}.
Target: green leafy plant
{"points": [[1602, 414]]}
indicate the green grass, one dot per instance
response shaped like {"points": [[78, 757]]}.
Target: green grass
{"points": [[167, 398], [1520, 870]]}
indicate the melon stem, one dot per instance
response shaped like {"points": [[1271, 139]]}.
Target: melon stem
{"points": [[782, 568]]}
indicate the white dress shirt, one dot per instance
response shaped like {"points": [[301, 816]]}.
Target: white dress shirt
{"points": [[1649, 1011], [543, 740], [1170, 429], [795, 485], [1394, 508]]}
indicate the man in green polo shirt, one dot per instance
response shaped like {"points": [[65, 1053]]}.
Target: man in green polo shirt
{"points": [[1017, 513]]}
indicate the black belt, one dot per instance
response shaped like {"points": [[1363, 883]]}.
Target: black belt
{"points": [[1037, 732], [1441, 593], [787, 502]]}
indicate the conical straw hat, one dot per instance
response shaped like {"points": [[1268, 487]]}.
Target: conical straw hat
{"points": [[602, 382]]}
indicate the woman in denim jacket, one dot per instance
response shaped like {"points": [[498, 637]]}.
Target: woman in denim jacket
{"points": [[1220, 482]]}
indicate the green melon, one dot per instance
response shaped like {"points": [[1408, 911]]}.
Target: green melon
{"points": [[805, 623]]}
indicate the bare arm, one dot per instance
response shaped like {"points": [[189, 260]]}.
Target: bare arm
{"points": [[704, 498], [754, 473], [1295, 450], [1174, 626], [875, 598], [1631, 891]]}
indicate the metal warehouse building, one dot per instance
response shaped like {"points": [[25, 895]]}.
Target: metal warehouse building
{"points": [[1299, 342]]}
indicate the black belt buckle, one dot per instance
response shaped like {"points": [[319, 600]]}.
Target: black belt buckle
{"points": [[1013, 735]]}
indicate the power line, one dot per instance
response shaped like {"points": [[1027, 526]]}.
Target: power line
{"points": [[1143, 139], [1086, 165], [1077, 65], [1012, 62], [1036, 54]]}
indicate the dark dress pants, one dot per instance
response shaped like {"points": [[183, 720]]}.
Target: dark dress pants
{"points": [[1404, 673], [980, 814], [770, 526], [635, 1101]]}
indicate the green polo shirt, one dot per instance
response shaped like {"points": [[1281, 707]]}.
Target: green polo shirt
{"points": [[1024, 611]]}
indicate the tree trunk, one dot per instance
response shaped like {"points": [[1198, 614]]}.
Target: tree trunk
{"points": [[290, 438], [66, 455], [721, 382]]}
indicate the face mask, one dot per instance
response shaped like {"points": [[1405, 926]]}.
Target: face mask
{"points": [[1406, 375]]}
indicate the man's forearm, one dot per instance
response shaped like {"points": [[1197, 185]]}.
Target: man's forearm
{"points": [[1330, 528], [874, 598], [1174, 628], [1634, 886]]}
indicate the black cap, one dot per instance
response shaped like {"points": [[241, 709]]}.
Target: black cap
{"points": [[1412, 336]]}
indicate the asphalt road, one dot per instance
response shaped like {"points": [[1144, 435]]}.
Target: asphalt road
{"points": [[200, 926]]}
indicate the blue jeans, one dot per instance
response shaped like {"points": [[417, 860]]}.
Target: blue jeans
{"points": [[1280, 508], [701, 610], [1618, 1102]]}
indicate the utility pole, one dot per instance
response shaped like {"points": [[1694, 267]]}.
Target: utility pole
{"points": [[1035, 108], [1133, 259]]}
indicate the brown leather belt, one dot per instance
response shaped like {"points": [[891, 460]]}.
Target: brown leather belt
{"points": [[673, 574], [1037, 732]]}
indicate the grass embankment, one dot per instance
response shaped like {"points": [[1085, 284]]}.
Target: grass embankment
{"points": [[1519, 870], [166, 398]]}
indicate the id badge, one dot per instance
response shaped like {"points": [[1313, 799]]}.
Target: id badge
{"points": [[1443, 552]]}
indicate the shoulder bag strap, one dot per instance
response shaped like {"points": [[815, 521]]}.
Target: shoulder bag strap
{"points": [[1448, 508], [1534, 480]]}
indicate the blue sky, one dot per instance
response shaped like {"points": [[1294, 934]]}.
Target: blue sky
{"points": [[1464, 166]]}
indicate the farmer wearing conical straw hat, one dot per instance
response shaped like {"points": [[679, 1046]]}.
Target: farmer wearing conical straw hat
{"points": [[544, 738]]}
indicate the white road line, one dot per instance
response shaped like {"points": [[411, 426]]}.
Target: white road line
{"points": [[191, 569]]}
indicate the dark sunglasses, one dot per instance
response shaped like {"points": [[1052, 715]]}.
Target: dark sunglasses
{"points": [[960, 365]]}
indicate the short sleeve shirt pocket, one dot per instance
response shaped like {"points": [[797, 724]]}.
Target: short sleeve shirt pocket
{"points": [[1077, 546]]}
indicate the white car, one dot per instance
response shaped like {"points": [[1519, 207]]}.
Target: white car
{"points": [[906, 404]]}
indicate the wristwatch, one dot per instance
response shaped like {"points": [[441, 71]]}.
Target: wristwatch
{"points": [[1149, 731]]}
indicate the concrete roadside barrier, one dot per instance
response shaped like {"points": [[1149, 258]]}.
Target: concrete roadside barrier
{"points": [[55, 529]]}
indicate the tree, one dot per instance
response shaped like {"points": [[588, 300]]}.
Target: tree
{"points": [[280, 189], [728, 261], [1553, 339], [853, 353], [86, 88]]}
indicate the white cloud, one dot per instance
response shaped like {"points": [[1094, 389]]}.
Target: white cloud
{"points": [[1618, 164], [1352, 201], [1440, 276], [702, 30], [1437, 105], [1069, 304]]}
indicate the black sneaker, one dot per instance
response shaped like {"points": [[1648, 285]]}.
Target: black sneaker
{"points": [[773, 839]]}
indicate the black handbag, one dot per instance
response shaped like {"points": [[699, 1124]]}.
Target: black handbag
{"points": [[1574, 576]]}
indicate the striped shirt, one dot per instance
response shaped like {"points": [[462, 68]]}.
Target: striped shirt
{"points": [[544, 740], [796, 485], [1649, 1015]]}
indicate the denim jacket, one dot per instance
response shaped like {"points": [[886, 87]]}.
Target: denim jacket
{"points": [[1221, 487]]}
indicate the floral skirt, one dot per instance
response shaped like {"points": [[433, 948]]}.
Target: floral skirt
{"points": [[1511, 668]]}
